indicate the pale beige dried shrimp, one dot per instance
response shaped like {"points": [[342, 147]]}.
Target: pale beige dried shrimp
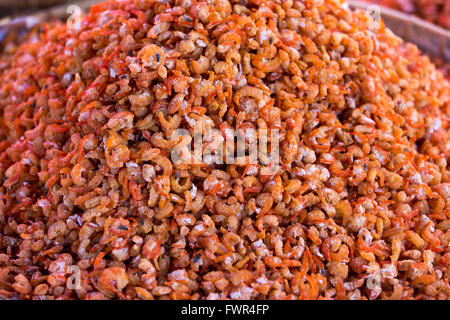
{"points": [[359, 208]]}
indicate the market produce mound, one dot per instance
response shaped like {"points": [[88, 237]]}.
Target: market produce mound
{"points": [[93, 206]]}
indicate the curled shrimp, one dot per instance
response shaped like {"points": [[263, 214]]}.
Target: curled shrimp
{"points": [[318, 139], [113, 279], [266, 221], [257, 94], [228, 207], [229, 40], [152, 56], [267, 65], [171, 124], [265, 202]]}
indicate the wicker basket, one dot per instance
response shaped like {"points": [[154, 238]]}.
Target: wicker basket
{"points": [[430, 38]]}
